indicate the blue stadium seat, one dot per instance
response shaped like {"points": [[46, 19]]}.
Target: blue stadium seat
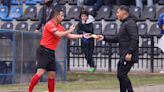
{"points": [[22, 26], [110, 29], [30, 2], [15, 12], [36, 18], [109, 48], [30, 13], [135, 11], [154, 30], [146, 48], [62, 2], [39, 1], [142, 28], [89, 8], [73, 13], [103, 13], [7, 25], [3, 11], [161, 10], [33, 27], [161, 2], [67, 25], [75, 47], [113, 16], [72, 2], [148, 13], [97, 30], [16, 2]]}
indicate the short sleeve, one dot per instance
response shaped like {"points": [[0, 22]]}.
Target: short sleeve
{"points": [[51, 28]]}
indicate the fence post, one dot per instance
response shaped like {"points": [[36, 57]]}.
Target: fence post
{"points": [[13, 56], [109, 64], [152, 55], [68, 57], [109, 59]]}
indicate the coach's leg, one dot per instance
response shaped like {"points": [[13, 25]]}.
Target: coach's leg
{"points": [[35, 79], [119, 73], [123, 70], [51, 81]]}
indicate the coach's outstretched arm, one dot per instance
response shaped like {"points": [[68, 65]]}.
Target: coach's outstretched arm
{"points": [[112, 39]]}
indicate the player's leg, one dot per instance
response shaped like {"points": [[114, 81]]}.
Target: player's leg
{"points": [[41, 67], [35, 79], [51, 81], [51, 68]]}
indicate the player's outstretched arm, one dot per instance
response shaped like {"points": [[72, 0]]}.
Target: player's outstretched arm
{"points": [[79, 36], [65, 33]]}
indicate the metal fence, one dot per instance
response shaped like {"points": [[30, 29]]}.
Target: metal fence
{"points": [[18, 57], [106, 55]]}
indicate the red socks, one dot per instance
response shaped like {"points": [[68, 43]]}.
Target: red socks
{"points": [[51, 85], [33, 82]]}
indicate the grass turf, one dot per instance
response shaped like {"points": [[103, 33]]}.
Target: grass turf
{"points": [[89, 81]]}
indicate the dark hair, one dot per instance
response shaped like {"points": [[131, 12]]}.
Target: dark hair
{"points": [[124, 8], [56, 11], [84, 12]]}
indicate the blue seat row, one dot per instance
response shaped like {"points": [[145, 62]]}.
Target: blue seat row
{"points": [[28, 2]]}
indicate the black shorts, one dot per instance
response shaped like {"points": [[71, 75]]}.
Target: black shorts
{"points": [[45, 59]]}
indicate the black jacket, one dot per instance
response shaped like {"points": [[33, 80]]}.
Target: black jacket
{"points": [[127, 38], [44, 16], [85, 28]]}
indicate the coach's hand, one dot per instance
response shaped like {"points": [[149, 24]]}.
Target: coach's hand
{"points": [[100, 37], [128, 57]]}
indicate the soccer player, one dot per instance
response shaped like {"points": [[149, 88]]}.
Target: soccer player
{"points": [[51, 35]]}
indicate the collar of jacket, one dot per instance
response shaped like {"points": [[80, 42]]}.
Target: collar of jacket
{"points": [[125, 19]]}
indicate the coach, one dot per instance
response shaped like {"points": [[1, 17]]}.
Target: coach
{"points": [[128, 40]]}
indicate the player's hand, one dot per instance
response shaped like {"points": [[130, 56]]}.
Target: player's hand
{"points": [[128, 57], [87, 35], [94, 36], [36, 31], [72, 28], [100, 37]]}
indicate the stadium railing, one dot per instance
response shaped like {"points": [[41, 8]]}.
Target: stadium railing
{"points": [[107, 56]]}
